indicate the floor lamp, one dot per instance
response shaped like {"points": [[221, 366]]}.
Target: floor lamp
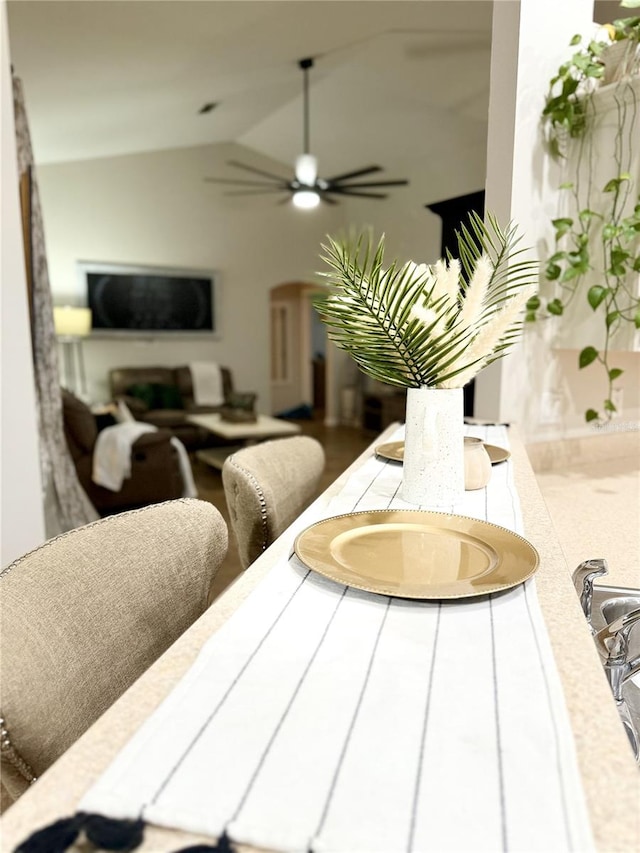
{"points": [[72, 325]]}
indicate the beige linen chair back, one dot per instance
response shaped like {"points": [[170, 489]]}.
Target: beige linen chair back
{"points": [[267, 486], [88, 612]]}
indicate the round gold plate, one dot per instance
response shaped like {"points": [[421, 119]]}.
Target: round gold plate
{"points": [[496, 454], [416, 554], [394, 450]]}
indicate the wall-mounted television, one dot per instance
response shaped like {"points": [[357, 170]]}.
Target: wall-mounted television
{"points": [[149, 301]]}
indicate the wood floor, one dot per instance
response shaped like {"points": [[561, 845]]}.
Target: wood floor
{"points": [[341, 445]]}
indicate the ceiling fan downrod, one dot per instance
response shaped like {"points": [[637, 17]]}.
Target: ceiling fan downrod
{"points": [[305, 64], [306, 167], [306, 189]]}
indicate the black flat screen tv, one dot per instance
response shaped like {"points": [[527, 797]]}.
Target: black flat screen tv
{"points": [[132, 300]]}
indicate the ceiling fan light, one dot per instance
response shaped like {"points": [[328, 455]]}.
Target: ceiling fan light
{"points": [[306, 169], [306, 199]]}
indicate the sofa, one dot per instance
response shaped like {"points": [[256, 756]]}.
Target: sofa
{"points": [[156, 475], [163, 396]]}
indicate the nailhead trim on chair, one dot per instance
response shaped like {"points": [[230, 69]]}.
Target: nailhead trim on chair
{"points": [[261, 499], [9, 752]]}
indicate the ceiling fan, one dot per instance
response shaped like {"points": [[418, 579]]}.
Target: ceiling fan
{"points": [[305, 188]]}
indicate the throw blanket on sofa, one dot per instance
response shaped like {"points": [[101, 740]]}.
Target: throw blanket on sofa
{"points": [[207, 383], [112, 456], [188, 483]]}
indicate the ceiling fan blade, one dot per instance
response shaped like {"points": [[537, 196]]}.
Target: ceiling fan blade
{"points": [[239, 182], [257, 171], [258, 192], [368, 170], [398, 183], [347, 191]]}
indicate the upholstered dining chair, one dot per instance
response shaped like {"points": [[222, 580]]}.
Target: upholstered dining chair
{"points": [[86, 613], [266, 486]]}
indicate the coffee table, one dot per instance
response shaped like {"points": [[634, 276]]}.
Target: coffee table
{"points": [[245, 433]]}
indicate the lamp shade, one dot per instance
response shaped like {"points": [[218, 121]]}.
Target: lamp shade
{"points": [[72, 322]]}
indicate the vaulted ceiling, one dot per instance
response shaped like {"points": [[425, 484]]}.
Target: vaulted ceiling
{"points": [[394, 83]]}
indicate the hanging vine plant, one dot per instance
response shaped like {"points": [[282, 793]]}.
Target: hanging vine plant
{"points": [[596, 254]]}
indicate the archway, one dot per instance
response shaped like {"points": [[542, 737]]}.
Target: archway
{"points": [[298, 351]]}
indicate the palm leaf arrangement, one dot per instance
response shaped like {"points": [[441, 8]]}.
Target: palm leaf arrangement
{"points": [[436, 326]]}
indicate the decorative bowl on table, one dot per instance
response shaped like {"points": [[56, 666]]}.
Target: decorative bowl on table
{"points": [[239, 408]]}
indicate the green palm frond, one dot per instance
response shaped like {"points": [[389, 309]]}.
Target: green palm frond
{"points": [[400, 324]]}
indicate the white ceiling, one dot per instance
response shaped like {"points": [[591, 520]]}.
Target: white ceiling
{"points": [[394, 82]]}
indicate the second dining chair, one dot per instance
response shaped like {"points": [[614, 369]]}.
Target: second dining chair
{"points": [[88, 612], [266, 487]]}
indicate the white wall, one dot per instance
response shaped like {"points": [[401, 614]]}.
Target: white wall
{"points": [[21, 486], [539, 388], [155, 208]]}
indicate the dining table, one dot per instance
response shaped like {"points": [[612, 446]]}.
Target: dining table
{"points": [[303, 713]]}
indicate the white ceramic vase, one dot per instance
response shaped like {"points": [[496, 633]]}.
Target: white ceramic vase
{"points": [[433, 465]]}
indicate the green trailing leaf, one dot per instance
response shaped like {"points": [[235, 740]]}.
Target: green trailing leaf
{"points": [[569, 86], [609, 406], [533, 304], [618, 260], [590, 415], [585, 216], [613, 185], [610, 231], [573, 272], [597, 230], [562, 226], [596, 295], [552, 272], [587, 356]]}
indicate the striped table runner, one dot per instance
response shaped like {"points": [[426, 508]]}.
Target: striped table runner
{"points": [[324, 718]]}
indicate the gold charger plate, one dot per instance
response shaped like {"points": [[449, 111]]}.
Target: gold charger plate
{"points": [[394, 450], [497, 454], [416, 554]]}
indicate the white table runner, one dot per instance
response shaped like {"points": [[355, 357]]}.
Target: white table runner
{"points": [[324, 718]]}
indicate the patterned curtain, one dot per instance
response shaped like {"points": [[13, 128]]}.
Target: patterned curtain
{"points": [[66, 504]]}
